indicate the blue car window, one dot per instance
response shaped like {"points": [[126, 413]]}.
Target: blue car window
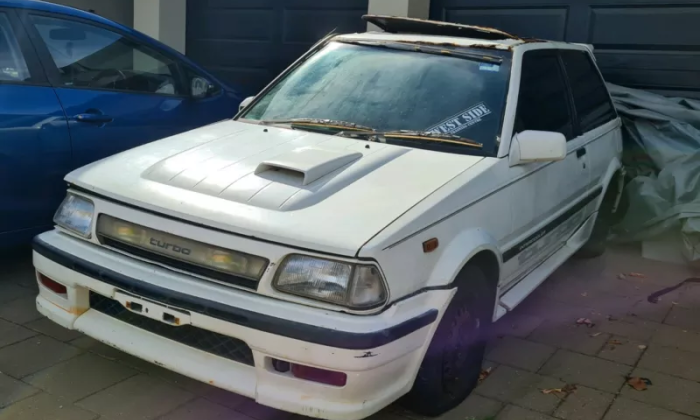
{"points": [[88, 56], [12, 65]]}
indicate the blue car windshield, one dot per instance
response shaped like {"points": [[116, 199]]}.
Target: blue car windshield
{"points": [[390, 89]]}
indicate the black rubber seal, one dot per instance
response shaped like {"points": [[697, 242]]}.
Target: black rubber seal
{"points": [[249, 319]]}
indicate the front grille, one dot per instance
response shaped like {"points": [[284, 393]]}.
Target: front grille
{"points": [[208, 341]]}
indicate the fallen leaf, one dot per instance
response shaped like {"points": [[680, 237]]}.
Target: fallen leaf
{"points": [[674, 303], [585, 321], [642, 347], [639, 384], [595, 334], [637, 275], [584, 294], [552, 391], [621, 276], [484, 374], [569, 388], [616, 342]]}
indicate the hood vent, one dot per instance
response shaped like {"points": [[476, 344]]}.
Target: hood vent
{"points": [[306, 165]]}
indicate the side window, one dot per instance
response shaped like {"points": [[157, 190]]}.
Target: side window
{"points": [[593, 105], [88, 56], [13, 68], [543, 102]]}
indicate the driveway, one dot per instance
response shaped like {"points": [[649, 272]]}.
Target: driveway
{"points": [[541, 365]]}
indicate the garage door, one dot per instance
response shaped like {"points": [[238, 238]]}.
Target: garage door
{"points": [[249, 42], [644, 43]]}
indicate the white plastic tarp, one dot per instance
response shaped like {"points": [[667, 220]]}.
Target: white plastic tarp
{"points": [[662, 155]]}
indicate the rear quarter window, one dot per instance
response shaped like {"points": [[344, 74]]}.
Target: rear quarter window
{"points": [[591, 99]]}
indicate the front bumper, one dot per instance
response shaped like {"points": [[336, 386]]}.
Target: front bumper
{"points": [[380, 354]]}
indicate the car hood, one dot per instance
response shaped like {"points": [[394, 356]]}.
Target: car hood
{"points": [[308, 190]]}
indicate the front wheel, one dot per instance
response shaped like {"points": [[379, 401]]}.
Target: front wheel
{"points": [[452, 364]]}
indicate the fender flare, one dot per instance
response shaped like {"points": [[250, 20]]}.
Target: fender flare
{"points": [[459, 251]]}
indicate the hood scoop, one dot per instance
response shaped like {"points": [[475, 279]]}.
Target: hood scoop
{"points": [[305, 165]]}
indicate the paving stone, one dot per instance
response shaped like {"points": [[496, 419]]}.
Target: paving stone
{"points": [[629, 330], [50, 328], [260, 412], [226, 398], [34, 354], [686, 318], [516, 324], [586, 370], [140, 397], [201, 409], [45, 407], [12, 333], [569, 336], [656, 312], [474, 407], [20, 311], [672, 361], [10, 291], [584, 404], [626, 409], [80, 377], [520, 353], [12, 390], [521, 388], [670, 336], [622, 350], [670, 392], [513, 412]]}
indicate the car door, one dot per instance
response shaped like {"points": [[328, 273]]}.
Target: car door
{"points": [[544, 195], [35, 149], [117, 92], [595, 113]]}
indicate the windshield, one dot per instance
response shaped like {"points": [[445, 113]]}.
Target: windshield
{"points": [[391, 89]]}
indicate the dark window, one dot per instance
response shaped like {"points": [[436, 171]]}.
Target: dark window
{"points": [[91, 57], [593, 105], [543, 102], [12, 65]]}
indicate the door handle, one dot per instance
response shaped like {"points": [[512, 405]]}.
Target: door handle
{"points": [[93, 118], [580, 152]]}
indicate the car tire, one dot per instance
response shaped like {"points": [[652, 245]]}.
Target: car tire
{"points": [[597, 243], [451, 367]]}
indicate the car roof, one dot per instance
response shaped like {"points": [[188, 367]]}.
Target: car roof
{"points": [[441, 33], [55, 8]]}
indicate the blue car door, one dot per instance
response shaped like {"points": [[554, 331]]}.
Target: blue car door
{"points": [[35, 148], [117, 91]]}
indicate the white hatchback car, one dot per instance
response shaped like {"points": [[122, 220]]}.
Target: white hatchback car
{"points": [[350, 235]]}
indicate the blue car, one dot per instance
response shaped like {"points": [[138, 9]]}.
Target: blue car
{"points": [[75, 88]]}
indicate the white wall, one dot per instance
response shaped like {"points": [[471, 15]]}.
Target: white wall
{"points": [[121, 11], [164, 20]]}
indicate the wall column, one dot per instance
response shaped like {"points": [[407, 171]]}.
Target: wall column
{"points": [[164, 20], [410, 8]]}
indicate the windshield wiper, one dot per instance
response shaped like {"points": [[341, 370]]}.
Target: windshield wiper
{"points": [[381, 136], [321, 123]]}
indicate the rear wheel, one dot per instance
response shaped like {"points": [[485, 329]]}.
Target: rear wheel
{"points": [[452, 364]]}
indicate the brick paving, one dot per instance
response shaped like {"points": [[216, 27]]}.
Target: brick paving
{"points": [[49, 373]]}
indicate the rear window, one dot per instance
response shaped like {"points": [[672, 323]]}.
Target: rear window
{"points": [[591, 99]]}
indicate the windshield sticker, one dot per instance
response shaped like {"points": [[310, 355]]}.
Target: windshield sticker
{"points": [[490, 67], [464, 119]]}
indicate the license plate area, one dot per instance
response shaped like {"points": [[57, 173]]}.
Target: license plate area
{"points": [[152, 310]]}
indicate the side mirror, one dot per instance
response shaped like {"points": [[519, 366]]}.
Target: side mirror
{"points": [[537, 146], [247, 101], [201, 88]]}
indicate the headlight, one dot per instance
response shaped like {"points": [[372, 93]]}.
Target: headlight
{"points": [[355, 286], [182, 249], [75, 214]]}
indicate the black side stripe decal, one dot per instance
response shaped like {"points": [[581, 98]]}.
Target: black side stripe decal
{"points": [[530, 240]]}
